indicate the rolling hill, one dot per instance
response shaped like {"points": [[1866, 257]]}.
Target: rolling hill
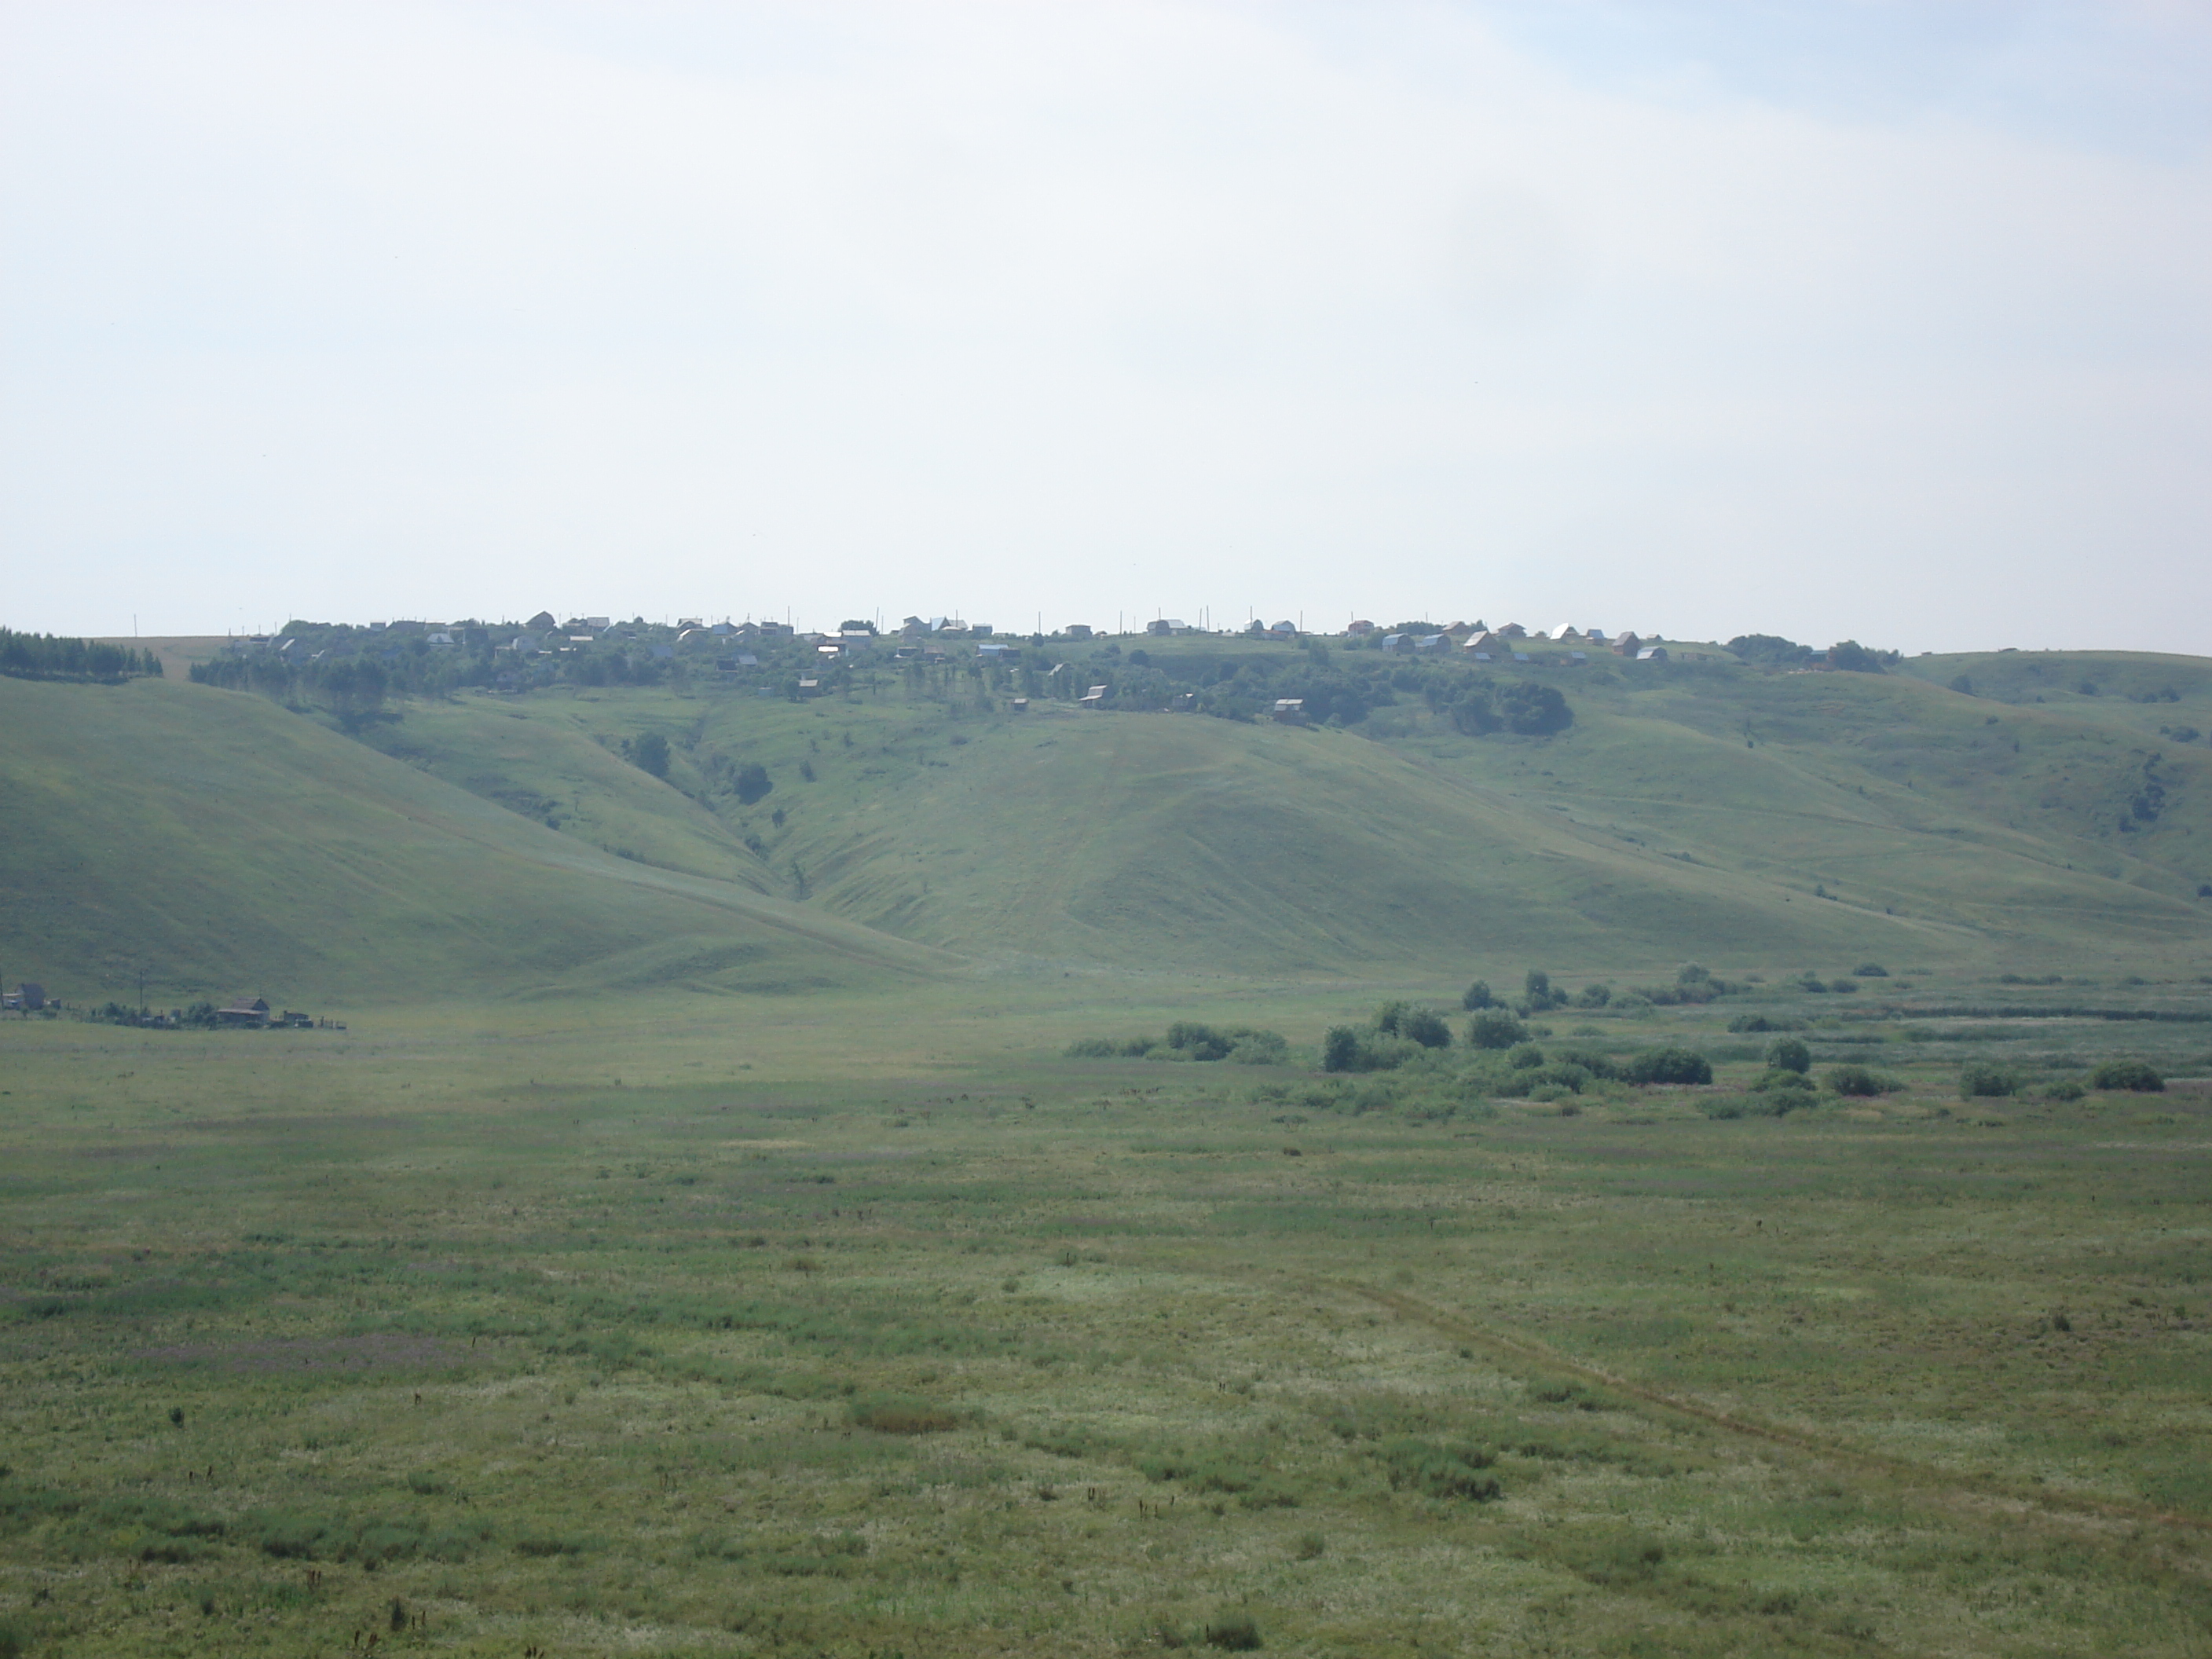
{"points": [[1697, 809], [231, 846]]}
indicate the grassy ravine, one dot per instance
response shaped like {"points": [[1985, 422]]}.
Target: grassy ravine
{"points": [[638, 1327]]}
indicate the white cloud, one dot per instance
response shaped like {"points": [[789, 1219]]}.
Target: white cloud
{"points": [[1012, 308]]}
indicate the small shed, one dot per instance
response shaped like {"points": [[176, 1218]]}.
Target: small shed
{"points": [[27, 998], [1652, 653], [243, 1010], [1289, 711], [1094, 698]]}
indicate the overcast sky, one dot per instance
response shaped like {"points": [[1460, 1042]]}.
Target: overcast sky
{"points": [[1835, 318]]}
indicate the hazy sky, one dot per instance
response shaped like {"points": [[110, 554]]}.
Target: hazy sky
{"points": [[1844, 317]]}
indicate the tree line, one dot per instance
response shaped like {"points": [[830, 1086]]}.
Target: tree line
{"points": [[48, 656]]}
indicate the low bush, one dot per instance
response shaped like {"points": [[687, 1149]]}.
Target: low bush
{"points": [[1979, 1078], [1669, 1065], [900, 1413], [1236, 1633], [1494, 1028], [1860, 1082], [1477, 995], [1871, 970], [2135, 1074], [1789, 1055], [1777, 1081], [1761, 1023]]}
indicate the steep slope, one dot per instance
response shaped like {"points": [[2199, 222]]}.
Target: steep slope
{"points": [[228, 845]]}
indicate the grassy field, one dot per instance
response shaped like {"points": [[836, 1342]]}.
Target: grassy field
{"points": [[853, 1325]]}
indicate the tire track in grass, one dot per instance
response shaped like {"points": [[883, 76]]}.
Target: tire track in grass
{"points": [[1462, 1329]]}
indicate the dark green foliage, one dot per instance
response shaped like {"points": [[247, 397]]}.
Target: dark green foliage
{"points": [[1236, 1633], [1198, 1042], [900, 1414], [752, 782], [1339, 1049], [1494, 1028], [1789, 1055], [1771, 650], [45, 657], [1854, 659], [1524, 1056], [1743, 1023], [1477, 996], [649, 754], [2133, 1075], [1859, 1082], [1426, 1027], [1533, 710], [1871, 970], [1979, 1078], [1594, 996], [1669, 1065]]}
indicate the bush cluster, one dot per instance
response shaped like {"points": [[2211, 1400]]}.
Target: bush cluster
{"points": [[1188, 1039]]}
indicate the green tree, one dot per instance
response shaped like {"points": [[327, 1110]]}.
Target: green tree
{"points": [[649, 754], [1789, 1055]]}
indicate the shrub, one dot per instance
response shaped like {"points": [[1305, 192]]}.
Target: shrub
{"points": [[2133, 1074], [1588, 1060], [1858, 1081], [900, 1413], [1259, 1048], [1669, 1065], [1198, 1041], [1494, 1028], [2066, 1088], [1477, 996], [1977, 1078], [1871, 970], [649, 754], [1776, 1080], [1525, 1056], [1594, 996], [1842, 987], [1426, 1027], [1339, 1049], [1789, 1055], [1235, 1631], [752, 782], [1111, 1047]]}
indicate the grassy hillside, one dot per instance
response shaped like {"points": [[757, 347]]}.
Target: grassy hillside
{"points": [[1746, 818], [1693, 811], [230, 845]]}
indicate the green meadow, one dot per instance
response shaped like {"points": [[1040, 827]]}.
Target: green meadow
{"points": [[736, 1222]]}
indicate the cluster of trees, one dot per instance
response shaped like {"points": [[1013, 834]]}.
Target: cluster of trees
{"points": [[1772, 651], [1190, 1039], [1334, 691], [49, 656]]}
